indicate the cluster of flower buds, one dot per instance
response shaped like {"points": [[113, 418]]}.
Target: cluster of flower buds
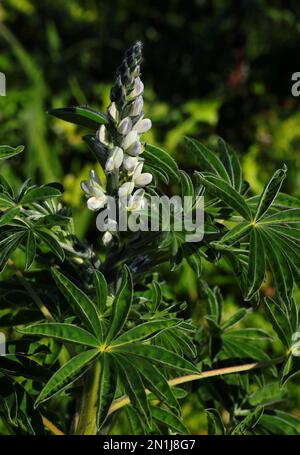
{"points": [[121, 137]]}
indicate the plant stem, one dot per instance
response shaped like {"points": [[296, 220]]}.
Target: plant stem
{"points": [[123, 401], [88, 410], [53, 428]]}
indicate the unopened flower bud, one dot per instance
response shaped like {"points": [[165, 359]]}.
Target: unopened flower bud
{"points": [[137, 106], [138, 87], [129, 139], [130, 163], [115, 159], [112, 110], [135, 149], [102, 135], [143, 125], [125, 126]]}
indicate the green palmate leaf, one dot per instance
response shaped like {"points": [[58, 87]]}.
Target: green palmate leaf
{"points": [[9, 248], [6, 201], [144, 331], [67, 374], [193, 256], [160, 159], [156, 295], [136, 423], [242, 348], [53, 220], [159, 355], [80, 115], [30, 249], [107, 390], [234, 319], [279, 321], [7, 152], [280, 423], [290, 369], [215, 425], [155, 381], [121, 305], [101, 290], [250, 334], [221, 189], [214, 304], [40, 193], [64, 332], [164, 417], [208, 160], [290, 250], [284, 216], [278, 264], [270, 192], [52, 243], [81, 303], [9, 215], [133, 386], [237, 233], [256, 264], [226, 159], [187, 188], [286, 231], [249, 422]]}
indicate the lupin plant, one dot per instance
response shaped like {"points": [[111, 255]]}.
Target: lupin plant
{"points": [[97, 340]]}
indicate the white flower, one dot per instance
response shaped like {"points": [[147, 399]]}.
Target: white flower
{"points": [[137, 106], [141, 179], [114, 160], [135, 149], [98, 200], [125, 126], [142, 125], [125, 190], [138, 87], [129, 139], [136, 201], [102, 135], [130, 163], [112, 110], [107, 238]]}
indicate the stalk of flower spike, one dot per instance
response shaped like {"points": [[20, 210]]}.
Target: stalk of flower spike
{"points": [[122, 138]]}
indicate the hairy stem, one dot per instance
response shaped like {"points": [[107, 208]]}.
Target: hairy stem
{"points": [[88, 410], [123, 401]]}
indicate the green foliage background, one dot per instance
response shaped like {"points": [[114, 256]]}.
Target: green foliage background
{"points": [[211, 68]]}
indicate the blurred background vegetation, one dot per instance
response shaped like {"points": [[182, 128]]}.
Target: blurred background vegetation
{"points": [[212, 68]]}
